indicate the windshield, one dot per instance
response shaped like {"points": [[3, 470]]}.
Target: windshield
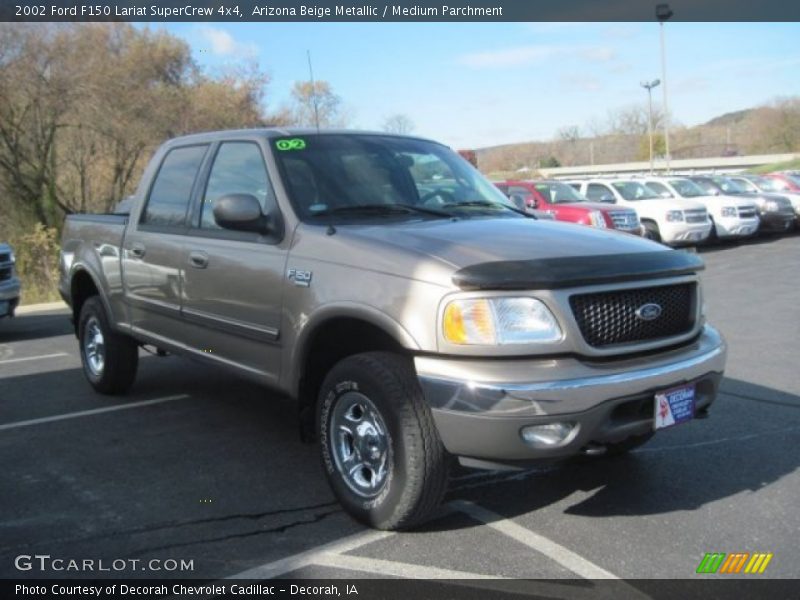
{"points": [[633, 190], [728, 186], [558, 193], [363, 176], [764, 183], [686, 188]]}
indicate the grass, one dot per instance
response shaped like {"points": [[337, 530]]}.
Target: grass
{"points": [[782, 166]]}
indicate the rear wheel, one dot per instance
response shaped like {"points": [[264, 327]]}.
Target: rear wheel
{"points": [[109, 359], [380, 448]]}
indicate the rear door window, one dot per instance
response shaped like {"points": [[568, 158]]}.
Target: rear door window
{"points": [[171, 191], [599, 193]]}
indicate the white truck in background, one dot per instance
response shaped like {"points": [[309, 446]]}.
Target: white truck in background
{"points": [[732, 217], [671, 221]]}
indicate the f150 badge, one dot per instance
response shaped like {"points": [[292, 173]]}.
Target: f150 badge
{"points": [[300, 278]]}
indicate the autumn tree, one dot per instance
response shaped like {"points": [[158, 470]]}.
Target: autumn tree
{"points": [[316, 105]]}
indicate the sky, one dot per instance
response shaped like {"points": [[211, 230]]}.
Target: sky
{"points": [[473, 85]]}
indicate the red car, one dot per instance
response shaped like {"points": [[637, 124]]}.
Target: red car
{"points": [[786, 182], [565, 204]]}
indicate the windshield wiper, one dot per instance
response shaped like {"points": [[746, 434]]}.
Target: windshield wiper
{"points": [[380, 209], [487, 204]]}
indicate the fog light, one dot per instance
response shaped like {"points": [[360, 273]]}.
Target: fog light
{"points": [[549, 435]]}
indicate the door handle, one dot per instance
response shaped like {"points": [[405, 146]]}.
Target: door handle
{"points": [[199, 260], [137, 250]]}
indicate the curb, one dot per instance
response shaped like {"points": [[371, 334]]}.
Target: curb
{"points": [[34, 308]]}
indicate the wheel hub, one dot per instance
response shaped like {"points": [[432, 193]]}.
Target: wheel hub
{"points": [[94, 348], [359, 444]]}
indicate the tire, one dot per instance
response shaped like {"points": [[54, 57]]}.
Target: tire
{"points": [[109, 359], [651, 231], [626, 445], [371, 405], [713, 237]]}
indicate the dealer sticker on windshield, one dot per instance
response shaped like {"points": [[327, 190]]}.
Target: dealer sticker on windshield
{"points": [[674, 406]]}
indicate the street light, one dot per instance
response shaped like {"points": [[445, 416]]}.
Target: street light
{"points": [[649, 85], [663, 13]]}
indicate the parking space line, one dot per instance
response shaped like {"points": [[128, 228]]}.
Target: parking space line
{"points": [[94, 411], [392, 568], [41, 357], [309, 557], [565, 557]]}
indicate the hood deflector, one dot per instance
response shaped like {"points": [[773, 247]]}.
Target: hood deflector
{"points": [[572, 271]]}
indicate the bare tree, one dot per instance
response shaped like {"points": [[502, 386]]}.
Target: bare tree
{"points": [[316, 105], [398, 123]]}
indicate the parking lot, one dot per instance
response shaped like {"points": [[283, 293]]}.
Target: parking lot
{"points": [[197, 465]]}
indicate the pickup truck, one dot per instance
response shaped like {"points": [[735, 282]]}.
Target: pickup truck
{"points": [[9, 283], [673, 221], [566, 204], [412, 312]]}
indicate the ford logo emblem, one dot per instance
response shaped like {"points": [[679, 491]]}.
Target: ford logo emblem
{"points": [[648, 312]]}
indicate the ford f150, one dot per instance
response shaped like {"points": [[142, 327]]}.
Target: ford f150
{"points": [[413, 313]]}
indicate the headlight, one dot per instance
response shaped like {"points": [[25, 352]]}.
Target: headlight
{"points": [[674, 215], [728, 211], [597, 219], [499, 321], [771, 206]]}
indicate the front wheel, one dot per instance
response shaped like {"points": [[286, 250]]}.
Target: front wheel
{"points": [[380, 449], [651, 231], [109, 359]]}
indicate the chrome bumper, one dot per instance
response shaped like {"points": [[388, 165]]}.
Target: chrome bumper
{"points": [[480, 406]]}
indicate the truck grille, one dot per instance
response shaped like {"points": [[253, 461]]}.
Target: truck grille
{"points": [[5, 273], [4, 257], [624, 219], [696, 215], [609, 318], [746, 212]]}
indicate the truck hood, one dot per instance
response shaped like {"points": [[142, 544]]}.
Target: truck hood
{"points": [[434, 250]]}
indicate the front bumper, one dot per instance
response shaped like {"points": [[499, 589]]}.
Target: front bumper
{"points": [[777, 221], [680, 233], [9, 297], [735, 227], [480, 407]]}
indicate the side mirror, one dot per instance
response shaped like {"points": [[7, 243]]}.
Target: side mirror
{"points": [[240, 212], [607, 198], [666, 195]]}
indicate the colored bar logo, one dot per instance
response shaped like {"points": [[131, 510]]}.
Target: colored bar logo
{"points": [[734, 563]]}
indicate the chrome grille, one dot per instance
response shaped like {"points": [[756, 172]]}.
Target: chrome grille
{"points": [[624, 219], [746, 212], [609, 318], [696, 215]]}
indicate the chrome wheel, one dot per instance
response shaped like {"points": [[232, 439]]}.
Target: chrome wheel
{"points": [[360, 444], [94, 348]]}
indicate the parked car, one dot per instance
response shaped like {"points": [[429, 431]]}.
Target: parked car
{"points": [[387, 287], [672, 221], [756, 184], [732, 216], [9, 282], [785, 181], [565, 204], [774, 210]]}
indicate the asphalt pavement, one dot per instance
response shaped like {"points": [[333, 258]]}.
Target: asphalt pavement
{"points": [[195, 465]]}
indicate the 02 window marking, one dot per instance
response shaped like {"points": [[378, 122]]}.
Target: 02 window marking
{"points": [[290, 144]]}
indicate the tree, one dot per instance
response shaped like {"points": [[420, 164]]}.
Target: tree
{"points": [[398, 123], [316, 105]]}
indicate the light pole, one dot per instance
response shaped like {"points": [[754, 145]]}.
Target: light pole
{"points": [[649, 85], [663, 13]]}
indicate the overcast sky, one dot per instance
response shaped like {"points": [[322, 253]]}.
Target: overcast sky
{"points": [[473, 85]]}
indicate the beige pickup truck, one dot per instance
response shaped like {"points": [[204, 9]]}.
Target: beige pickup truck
{"points": [[416, 316]]}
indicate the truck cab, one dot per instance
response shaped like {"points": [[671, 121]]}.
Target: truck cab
{"points": [[673, 221]]}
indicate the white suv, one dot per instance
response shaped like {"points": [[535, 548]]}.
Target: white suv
{"points": [[732, 217], [672, 221]]}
